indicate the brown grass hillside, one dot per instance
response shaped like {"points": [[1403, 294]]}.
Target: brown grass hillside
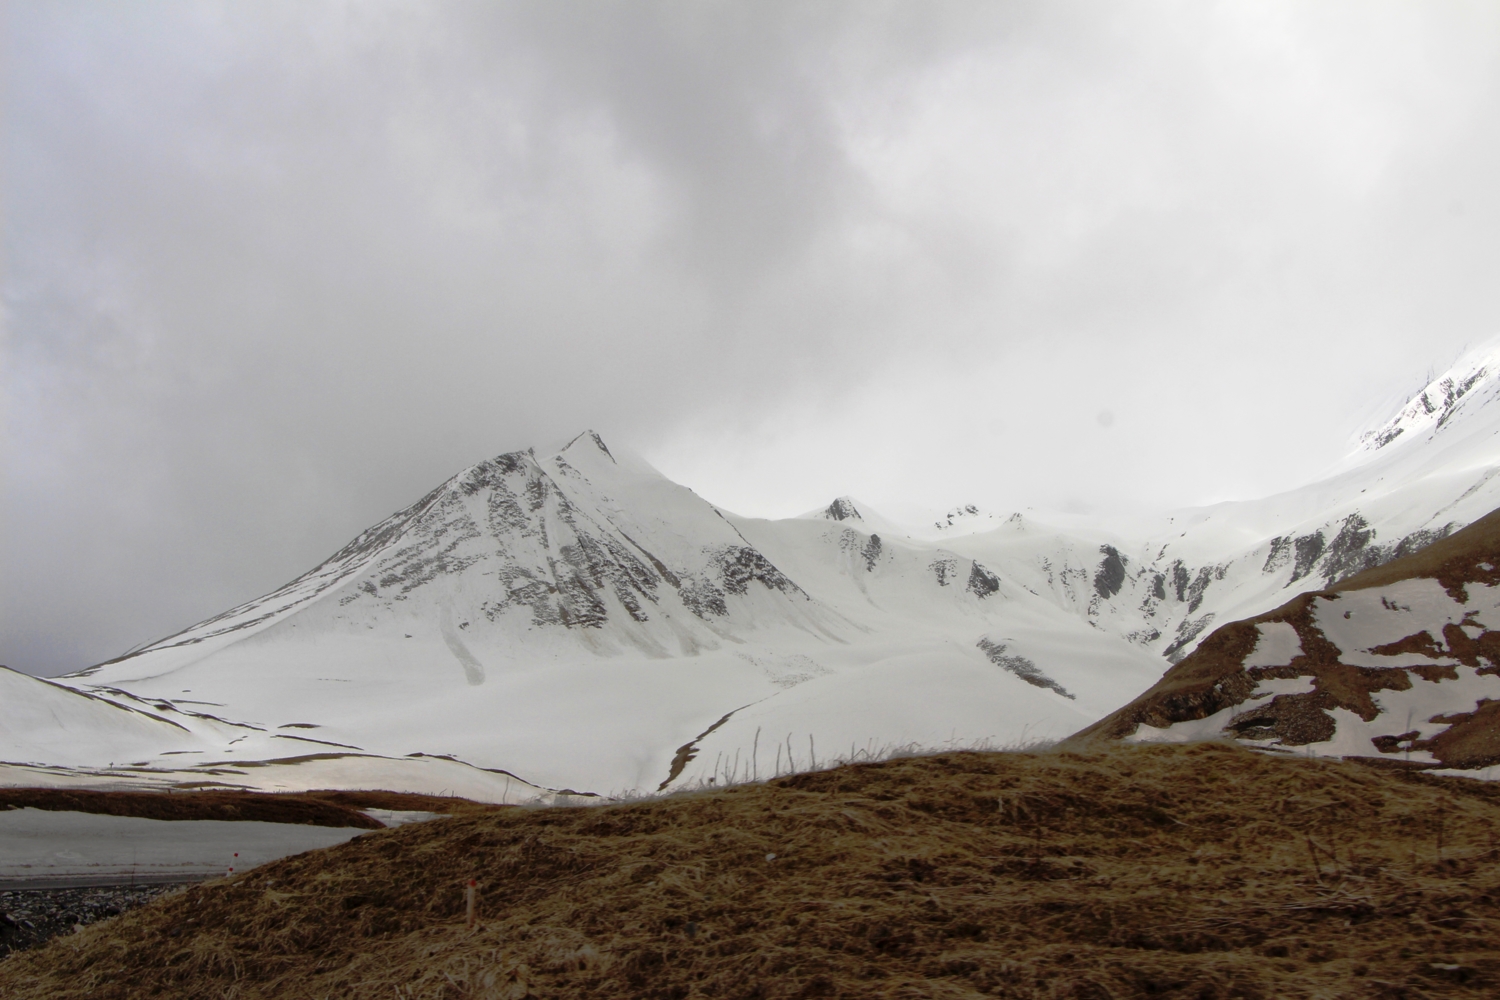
{"points": [[1205, 871], [1213, 677]]}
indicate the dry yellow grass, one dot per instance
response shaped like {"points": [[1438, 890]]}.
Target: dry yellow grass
{"points": [[1202, 871]]}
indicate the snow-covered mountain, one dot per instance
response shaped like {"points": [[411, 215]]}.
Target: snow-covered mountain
{"points": [[578, 621]]}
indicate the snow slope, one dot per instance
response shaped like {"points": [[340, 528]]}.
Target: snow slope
{"points": [[577, 622], [44, 721]]}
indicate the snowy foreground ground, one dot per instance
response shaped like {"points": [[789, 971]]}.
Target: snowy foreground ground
{"points": [[38, 845]]}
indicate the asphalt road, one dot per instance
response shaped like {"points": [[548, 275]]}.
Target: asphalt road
{"points": [[50, 849]]}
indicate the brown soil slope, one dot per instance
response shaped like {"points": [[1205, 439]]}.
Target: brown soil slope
{"points": [[324, 808], [1214, 677], [1197, 871]]}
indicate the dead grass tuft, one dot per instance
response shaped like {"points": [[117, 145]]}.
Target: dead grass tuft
{"points": [[1200, 871]]}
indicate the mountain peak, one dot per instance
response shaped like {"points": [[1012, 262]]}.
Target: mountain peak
{"points": [[966, 519], [842, 509], [1475, 375], [586, 439]]}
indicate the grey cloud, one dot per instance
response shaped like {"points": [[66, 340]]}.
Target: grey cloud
{"points": [[272, 270]]}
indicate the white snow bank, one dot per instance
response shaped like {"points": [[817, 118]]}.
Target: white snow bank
{"points": [[401, 817]]}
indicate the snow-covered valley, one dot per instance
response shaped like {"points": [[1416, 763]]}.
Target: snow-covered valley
{"points": [[577, 622]]}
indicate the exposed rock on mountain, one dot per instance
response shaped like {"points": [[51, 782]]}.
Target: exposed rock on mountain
{"points": [[1432, 408], [1020, 666], [842, 509], [968, 518]]}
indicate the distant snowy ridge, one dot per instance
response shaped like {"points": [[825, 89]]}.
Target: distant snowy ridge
{"points": [[1200, 568], [347, 562], [968, 518], [1473, 382]]}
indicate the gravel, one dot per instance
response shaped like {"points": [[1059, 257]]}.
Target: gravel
{"points": [[30, 916]]}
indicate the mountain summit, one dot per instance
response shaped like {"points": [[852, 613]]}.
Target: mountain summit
{"points": [[581, 547]]}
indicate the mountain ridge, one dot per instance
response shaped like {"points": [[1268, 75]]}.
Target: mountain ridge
{"points": [[579, 620]]}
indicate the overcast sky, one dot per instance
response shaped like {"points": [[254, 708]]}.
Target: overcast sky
{"points": [[274, 270]]}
